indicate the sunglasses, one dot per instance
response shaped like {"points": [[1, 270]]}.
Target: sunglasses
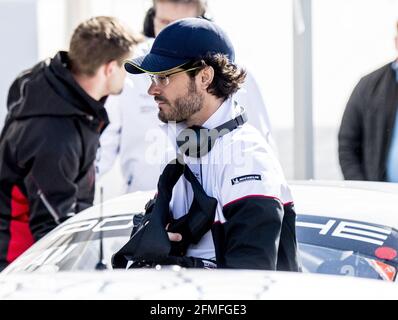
{"points": [[164, 80]]}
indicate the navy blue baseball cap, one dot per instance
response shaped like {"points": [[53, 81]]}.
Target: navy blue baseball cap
{"points": [[183, 41]]}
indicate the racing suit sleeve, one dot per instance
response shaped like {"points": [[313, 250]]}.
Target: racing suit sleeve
{"points": [[111, 138], [252, 233], [52, 169], [351, 137], [253, 196]]}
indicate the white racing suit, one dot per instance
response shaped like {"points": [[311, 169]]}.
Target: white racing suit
{"points": [[254, 226]]}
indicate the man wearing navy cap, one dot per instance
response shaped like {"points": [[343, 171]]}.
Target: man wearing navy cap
{"points": [[132, 143], [194, 78]]}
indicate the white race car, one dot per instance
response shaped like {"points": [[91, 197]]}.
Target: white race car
{"points": [[343, 228]]}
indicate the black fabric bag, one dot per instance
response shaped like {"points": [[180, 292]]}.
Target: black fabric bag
{"points": [[149, 244]]}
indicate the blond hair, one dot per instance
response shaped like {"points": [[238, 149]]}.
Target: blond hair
{"points": [[98, 41]]}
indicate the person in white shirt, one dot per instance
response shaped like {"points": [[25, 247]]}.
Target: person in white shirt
{"points": [[225, 202], [133, 133]]}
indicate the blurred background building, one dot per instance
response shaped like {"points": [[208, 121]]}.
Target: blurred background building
{"points": [[349, 39]]}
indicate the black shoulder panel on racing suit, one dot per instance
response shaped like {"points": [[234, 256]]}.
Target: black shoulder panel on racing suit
{"points": [[259, 234]]}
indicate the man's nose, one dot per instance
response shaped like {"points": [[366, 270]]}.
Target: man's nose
{"points": [[153, 89]]}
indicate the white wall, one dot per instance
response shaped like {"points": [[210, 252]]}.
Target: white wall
{"points": [[52, 27], [18, 34], [351, 38], [261, 31], [129, 11]]}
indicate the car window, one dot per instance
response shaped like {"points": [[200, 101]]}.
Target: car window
{"points": [[323, 260], [345, 247], [76, 246]]}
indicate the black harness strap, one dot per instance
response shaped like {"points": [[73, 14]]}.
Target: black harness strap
{"points": [[150, 242]]}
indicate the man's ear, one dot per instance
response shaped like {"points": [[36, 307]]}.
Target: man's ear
{"points": [[206, 77], [110, 67]]}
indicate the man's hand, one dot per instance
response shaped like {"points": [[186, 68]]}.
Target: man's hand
{"points": [[174, 237]]}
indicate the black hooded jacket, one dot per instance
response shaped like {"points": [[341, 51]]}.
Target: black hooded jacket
{"points": [[47, 151]]}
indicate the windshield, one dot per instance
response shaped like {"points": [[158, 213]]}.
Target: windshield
{"points": [[76, 246], [345, 247]]}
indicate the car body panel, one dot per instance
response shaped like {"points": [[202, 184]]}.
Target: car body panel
{"points": [[178, 284]]}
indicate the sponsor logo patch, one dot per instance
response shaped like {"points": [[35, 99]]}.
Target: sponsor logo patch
{"points": [[252, 177]]}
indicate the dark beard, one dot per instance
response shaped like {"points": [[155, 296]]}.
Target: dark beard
{"points": [[185, 106]]}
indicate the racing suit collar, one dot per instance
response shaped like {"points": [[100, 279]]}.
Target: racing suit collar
{"points": [[224, 113]]}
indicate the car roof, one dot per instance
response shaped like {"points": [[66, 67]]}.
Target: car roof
{"points": [[368, 202]]}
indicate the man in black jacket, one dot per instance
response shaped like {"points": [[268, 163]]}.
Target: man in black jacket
{"points": [[50, 138], [368, 137]]}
